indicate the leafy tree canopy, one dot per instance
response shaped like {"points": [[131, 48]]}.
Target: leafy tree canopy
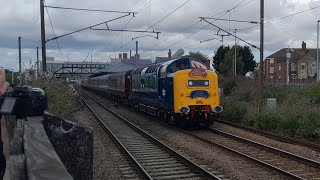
{"points": [[198, 55], [223, 60]]}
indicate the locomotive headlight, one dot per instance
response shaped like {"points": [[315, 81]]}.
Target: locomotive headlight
{"points": [[217, 109], [206, 83], [190, 83], [184, 109]]}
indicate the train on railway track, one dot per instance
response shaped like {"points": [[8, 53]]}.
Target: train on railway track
{"points": [[182, 91]]}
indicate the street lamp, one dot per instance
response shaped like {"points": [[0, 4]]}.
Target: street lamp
{"points": [[235, 53], [318, 72], [11, 76], [288, 56]]}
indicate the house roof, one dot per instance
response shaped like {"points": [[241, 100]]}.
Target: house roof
{"points": [[296, 54]]}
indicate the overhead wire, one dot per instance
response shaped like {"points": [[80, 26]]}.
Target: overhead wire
{"points": [[84, 9], [106, 47], [156, 23], [284, 17], [54, 34], [167, 15], [224, 13]]}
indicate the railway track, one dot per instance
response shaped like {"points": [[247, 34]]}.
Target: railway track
{"points": [[154, 159], [286, 163], [274, 136]]}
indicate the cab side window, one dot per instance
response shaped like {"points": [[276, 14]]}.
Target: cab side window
{"points": [[163, 73], [196, 64]]}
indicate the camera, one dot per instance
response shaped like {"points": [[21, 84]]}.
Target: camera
{"points": [[24, 101]]}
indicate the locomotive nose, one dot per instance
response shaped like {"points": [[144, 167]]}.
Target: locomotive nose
{"points": [[217, 109]]}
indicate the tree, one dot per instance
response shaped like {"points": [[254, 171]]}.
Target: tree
{"points": [[9, 77], [227, 65], [198, 55], [219, 56], [245, 60]]}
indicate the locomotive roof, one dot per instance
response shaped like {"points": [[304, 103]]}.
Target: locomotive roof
{"points": [[173, 60]]}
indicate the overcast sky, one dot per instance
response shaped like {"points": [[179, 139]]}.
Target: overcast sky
{"points": [[181, 29]]}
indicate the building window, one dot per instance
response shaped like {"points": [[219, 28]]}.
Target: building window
{"points": [[303, 66], [271, 69], [279, 68], [271, 61], [271, 77], [313, 68], [279, 77], [293, 67]]}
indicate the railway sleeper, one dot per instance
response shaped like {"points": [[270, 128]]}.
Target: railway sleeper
{"points": [[177, 172], [156, 160], [167, 169], [158, 163]]}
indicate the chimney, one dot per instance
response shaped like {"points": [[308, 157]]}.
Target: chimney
{"points": [[130, 54], [136, 47], [120, 56], [169, 54], [125, 56], [304, 45]]}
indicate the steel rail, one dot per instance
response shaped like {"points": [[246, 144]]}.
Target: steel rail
{"points": [[182, 158], [106, 129], [268, 148], [286, 173], [274, 136]]}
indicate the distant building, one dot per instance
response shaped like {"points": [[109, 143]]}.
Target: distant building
{"points": [[302, 64], [133, 60], [176, 55]]}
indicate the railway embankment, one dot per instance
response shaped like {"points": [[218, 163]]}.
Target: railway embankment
{"points": [[63, 101], [297, 113]]}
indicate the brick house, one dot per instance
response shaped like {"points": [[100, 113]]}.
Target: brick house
{"points": [[302, 64]]}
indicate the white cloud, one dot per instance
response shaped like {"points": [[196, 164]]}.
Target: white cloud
{"points": [[21, 18]]}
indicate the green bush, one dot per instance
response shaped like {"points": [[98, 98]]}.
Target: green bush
{"points": [[63, 99], [267, 121], [288, 125], [227, 84], [313, 93], [310, 127], [280, 93], [297, 113], [235, 112]]}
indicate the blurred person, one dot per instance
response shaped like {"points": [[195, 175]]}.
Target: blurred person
{"points": [[3, 88]]}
